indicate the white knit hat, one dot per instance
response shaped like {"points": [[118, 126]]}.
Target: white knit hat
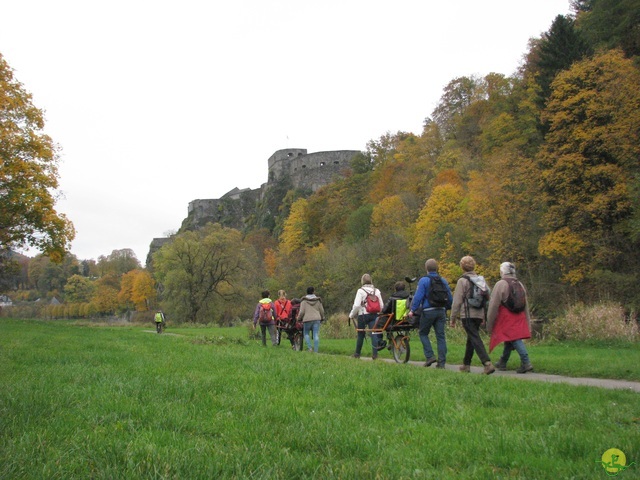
{"points": [[507, 268]]}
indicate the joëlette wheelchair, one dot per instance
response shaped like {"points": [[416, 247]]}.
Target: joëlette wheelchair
{"points": [[397, 327]]}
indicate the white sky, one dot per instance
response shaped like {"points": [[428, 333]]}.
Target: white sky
{"points": [[157, 103]]}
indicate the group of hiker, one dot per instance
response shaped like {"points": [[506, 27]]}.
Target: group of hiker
{"points": [[504, 311], [310, 313]]}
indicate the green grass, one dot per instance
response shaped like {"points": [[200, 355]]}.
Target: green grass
{"points": [[121, 402]]}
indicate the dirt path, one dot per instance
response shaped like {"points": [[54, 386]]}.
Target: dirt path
{"points": [[543, 377]]}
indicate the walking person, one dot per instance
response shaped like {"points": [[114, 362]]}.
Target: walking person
{"points": [[432, 300], [508, 318], [265, 314], [366, 306], [311, 314], [470, 300], [283, 307]]}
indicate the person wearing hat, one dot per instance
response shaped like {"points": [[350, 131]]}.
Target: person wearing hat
{"points": [[508, 323]]}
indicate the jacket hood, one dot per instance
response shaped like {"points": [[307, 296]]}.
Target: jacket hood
{"points": [[477, 279], [312, 298]]}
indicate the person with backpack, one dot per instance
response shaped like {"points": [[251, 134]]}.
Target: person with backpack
{"points": [[432, 300], [283, 308], [366, 307], [160, 321], [311, 314], [470, 301], [508, 318], [265, 314]]}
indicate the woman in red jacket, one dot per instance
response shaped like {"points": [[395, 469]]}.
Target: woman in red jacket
{"points": [[283, 307], [507, 321]]}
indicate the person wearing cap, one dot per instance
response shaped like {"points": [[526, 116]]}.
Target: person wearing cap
{"points": [[507, 326]]}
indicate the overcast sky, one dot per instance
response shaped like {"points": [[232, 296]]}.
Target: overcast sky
{"points": [[157, 103]]}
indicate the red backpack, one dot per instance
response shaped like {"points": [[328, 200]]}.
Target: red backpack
{"points": [[266, 314], [372, 302]]}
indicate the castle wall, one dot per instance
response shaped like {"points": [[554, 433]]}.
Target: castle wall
{"points": [[306, 171], [309, 171]]}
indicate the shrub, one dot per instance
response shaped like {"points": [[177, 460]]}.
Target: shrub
{"points": [[603, 321], [337, 326]]}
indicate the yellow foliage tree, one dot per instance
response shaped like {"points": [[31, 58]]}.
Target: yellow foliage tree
{"points": [[28, 175], [390, 216], [441, 220], [590, 162], [295, 234]]}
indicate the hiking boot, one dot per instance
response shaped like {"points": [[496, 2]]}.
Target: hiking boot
{"points": [[440, 365], [501, 365], [430, 361], [356, 355], [525, 368], [489, 368], [465, 368], [374, 357]]}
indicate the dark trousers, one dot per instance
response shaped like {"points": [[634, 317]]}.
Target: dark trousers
{"points": [[367, 321], [474, 342]]}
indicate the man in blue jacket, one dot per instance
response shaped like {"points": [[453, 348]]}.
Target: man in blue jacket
{"points": [[432, 300]]}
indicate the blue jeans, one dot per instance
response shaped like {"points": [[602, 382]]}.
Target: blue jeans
{"points": [[518, 346], [436, 318], [314, 326], [367, 321]]}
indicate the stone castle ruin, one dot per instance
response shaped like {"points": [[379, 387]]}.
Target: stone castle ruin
{"points": [[303, 171]]}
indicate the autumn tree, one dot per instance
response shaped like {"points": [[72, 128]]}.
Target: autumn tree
{"points": [[296, 232], [28, 175], [199, 267], [137, 290], [590, 165], [442, 221]]}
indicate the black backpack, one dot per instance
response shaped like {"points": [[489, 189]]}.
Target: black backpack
{"points": [[438, 294], [517, 299]]}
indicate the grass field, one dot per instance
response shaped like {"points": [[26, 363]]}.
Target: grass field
{"points": [[121, 402]]}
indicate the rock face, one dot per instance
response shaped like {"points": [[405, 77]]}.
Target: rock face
{"points": [[293, 167]]}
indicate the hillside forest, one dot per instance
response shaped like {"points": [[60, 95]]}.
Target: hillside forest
{"points": [[540, 168]]}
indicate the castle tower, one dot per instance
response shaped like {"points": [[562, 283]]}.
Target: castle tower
{"points": [[280, 163]]}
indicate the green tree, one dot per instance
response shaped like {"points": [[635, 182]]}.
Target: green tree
{"points": [[611, 24], [199, 266], [556, 51], [118, 262], [78, 289], [28, 175]]}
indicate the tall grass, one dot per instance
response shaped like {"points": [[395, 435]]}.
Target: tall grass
{"points": [[121, 402], [603, 321]]}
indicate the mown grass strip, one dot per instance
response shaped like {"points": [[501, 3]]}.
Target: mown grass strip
{"points": [[82, 402]]}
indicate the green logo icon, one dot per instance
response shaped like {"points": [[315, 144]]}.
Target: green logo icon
{"points": [[614, 461]]}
